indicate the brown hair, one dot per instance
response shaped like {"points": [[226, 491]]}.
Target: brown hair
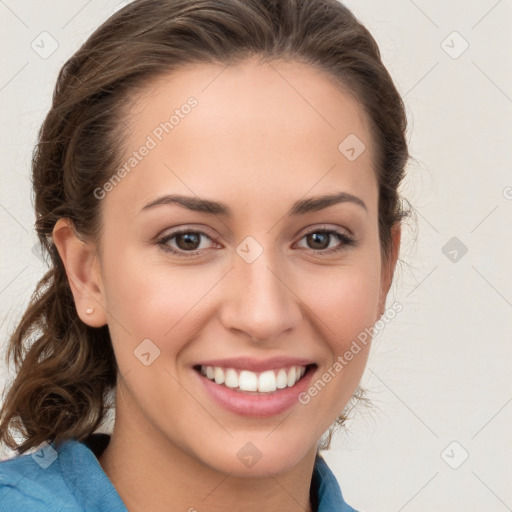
{"points": [[66, 370]]}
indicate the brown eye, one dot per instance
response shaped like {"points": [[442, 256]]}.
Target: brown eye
{"points": [[188, 241], [319, 241], [184, 243]]}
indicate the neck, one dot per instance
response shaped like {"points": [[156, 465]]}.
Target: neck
{"points": [[150, 472]]}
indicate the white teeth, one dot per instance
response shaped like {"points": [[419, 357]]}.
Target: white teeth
{"points": [[282, 379], [219, 375], [267, 382], [292, 374], [210, 373], [245, 380], [248, 381], [231, 378]]}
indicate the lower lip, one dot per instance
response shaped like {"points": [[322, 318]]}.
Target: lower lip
{"points": [[262, 405]]}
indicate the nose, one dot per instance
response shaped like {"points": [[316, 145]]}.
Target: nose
{"points": [[261, 302]]}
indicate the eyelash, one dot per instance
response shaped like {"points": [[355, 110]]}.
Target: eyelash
{"points": [[344, 239]]}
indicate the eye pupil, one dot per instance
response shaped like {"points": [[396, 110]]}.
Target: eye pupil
{"points": [[319, 238], [192, 240]]}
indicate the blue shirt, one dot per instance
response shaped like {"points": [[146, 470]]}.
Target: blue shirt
{"points": [[72, 480]]}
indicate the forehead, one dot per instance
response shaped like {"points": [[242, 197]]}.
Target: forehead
{"points": [[254, 128]]}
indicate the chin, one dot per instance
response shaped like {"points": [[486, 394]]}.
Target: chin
{"points": [[257, 456]]}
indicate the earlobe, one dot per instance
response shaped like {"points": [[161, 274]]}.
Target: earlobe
{"points": [[82, 269], [389, 264]]}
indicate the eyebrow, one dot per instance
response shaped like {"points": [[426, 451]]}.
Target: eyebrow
{"points": [[300, 207]]}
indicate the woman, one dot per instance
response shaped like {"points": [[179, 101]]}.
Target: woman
{"points": [[217, 185]]}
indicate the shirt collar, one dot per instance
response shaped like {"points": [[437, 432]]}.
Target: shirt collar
{"points": [[324, 483]]}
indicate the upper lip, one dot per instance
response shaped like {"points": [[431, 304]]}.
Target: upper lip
{"points": [[256, 365]]}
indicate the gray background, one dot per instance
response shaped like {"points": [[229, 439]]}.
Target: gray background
{"points": [[438, 434]]}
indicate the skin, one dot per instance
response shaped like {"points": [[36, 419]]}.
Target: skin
{"points": [[258, 145]]}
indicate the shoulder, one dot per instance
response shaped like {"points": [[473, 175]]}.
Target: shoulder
{"points": [[34, 482], [55, 479]]}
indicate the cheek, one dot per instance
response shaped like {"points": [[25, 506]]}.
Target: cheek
{"points": [[345, 301], [155, 301]]}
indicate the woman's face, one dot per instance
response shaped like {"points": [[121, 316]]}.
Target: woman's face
{"points": [[268, 281]]}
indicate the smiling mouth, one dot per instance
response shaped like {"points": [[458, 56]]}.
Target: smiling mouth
{"points": [[257, 383]]}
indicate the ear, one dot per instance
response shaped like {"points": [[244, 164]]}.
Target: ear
{"points": [[388, 266], [83, 271]]}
